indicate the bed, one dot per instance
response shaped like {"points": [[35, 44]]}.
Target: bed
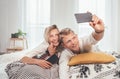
{"points": [[97, 71], [8, 58], [85, 71]]}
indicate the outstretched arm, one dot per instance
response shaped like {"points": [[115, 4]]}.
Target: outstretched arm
{"points": [[98, 25]]}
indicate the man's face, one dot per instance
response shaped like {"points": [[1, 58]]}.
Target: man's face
{"points": [[71, 42], [53, 37]]}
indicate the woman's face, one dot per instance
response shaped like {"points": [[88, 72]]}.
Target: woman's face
{"points": [[53, 37]]}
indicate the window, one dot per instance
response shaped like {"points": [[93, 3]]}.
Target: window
{"points": [[96, 7], [93, 6], [108, 11], [36, 17]]}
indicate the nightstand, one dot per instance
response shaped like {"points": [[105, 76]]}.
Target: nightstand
{"points": [[17, 44]]}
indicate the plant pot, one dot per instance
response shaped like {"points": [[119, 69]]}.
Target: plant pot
{"points": [[15, 35]]}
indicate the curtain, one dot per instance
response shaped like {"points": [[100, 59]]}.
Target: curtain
{"points": [[107, 10], [111, 37], [35, 18], [61, 13]]}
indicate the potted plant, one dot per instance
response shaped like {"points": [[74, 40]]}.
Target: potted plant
{"points": [[19, 34]]}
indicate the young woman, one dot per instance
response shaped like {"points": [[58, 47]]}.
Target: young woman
{"points": [[41, 62]]}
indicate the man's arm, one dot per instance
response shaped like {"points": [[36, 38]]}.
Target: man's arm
{"points": [[63, 67], [98, 35], [98, 26]]}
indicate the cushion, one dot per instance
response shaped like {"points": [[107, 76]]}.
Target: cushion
{"points": [[91, 58]]}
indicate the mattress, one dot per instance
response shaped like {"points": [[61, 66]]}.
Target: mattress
{"points": [[97, 71], [8, 58], [84, 71]]}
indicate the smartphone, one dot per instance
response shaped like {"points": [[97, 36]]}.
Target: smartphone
{"points": [[53, 59], [83, 17]]}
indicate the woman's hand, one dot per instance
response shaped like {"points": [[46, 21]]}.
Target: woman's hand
{"points": [[52, 48], [44, 64]]}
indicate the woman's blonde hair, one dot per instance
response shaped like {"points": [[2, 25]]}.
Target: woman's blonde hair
{"points": [[48, 30]]}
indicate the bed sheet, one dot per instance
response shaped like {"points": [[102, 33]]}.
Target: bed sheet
{"points": [[8, 58], [85, 71], [97, 71]]}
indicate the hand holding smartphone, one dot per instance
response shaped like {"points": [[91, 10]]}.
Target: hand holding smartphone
{"points": [[53, 59], [83, 17]]}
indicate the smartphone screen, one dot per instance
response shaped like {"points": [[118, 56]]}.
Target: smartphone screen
{"points": [[83, 17]]}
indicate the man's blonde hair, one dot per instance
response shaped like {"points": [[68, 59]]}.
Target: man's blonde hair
{"points": [[64, 32], [48, 30]]}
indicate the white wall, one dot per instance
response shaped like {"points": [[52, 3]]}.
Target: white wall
{"points": [[3, 22], [8, 21], [62, 13], [119, 25], [112, 25]]}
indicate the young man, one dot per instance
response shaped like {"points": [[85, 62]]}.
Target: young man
{"points": [[35, 64], [74, 46]]}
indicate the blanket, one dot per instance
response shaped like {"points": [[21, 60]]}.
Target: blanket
{"points": [[97, 71], [18, 70], [85, 71]]}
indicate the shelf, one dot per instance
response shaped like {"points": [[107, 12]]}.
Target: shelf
{"points": [[17, 44], [15, 49], [17, 38]]}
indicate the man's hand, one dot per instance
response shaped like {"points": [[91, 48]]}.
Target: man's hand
{"points": [[97, 24]]}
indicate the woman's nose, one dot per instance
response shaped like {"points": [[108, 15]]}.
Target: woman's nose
{"points": [[55, 38]]}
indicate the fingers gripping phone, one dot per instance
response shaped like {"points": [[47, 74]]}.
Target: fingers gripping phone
{"points": [[83, 17]]}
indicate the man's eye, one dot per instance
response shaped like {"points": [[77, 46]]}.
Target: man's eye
{"points": [[57, 34], [51, 36], [73, 37], [68, 41]]}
